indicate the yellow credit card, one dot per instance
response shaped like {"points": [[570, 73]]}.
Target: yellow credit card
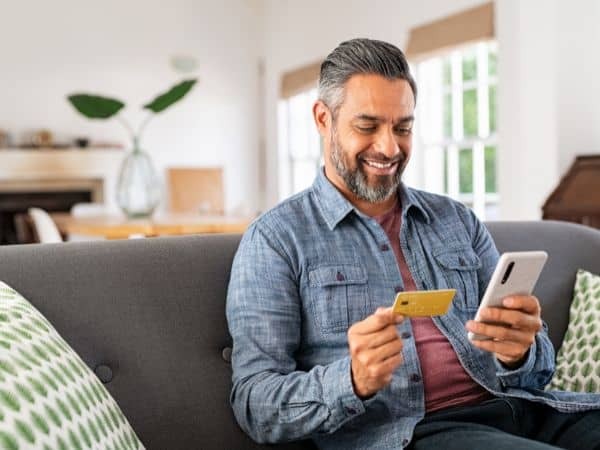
{"points": [[423, 303]]}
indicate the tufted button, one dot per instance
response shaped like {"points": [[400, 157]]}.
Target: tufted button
{"points": [[406, 335], [104, 373], [415, 378], [384, 247], [340, 276], [226, 354]]}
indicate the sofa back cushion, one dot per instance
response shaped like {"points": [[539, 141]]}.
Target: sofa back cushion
{"points": [[148, 316]]}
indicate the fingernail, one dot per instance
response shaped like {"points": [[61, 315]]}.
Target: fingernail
{"points": [[399, 318], [508, 301]]}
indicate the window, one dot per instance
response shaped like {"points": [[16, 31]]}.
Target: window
{"points": [[300, 143], [457, 126]]}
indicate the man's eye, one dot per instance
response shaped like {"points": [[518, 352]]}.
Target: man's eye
{"points": [[366, 129], [403, 131]]}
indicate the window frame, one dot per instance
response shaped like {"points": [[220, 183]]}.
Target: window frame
{"points": [[438, 149]]}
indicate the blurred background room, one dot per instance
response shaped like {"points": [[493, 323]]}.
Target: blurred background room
{"points": [[508, 112]]}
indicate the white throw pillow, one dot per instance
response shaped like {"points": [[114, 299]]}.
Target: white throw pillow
{"points": [[578, 360], [49, 398]]}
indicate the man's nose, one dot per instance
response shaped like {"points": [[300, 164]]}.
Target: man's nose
{"points": [[386, 144]]}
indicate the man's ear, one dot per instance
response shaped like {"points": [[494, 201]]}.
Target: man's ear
{"points": [[322, 117]]}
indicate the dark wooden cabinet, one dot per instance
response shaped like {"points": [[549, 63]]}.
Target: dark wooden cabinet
{"points": [[577, 196]]}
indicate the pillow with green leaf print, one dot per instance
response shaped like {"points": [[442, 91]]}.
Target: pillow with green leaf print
{"points": [[49, 398], [578, 360]]}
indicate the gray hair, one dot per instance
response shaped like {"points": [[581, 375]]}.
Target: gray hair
{"points": [[360, 56]]}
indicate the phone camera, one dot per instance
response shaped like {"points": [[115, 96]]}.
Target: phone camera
{"points": [[508, 271]]}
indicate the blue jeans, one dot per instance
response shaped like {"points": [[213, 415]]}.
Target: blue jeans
{"points": [[507, 423]]}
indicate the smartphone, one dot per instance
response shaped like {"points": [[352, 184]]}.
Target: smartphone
{"points": [[515, 274]]}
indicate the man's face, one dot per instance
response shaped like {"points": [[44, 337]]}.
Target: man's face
{"points": [[368, 144]]}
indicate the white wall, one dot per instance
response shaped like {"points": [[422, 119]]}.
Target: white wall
{"points": [[122, 48], [527, 116], [549, 108], [578, 86]]}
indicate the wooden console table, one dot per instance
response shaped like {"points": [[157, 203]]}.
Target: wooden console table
{"points": [[117, 227]]}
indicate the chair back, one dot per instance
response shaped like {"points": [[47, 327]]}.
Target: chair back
{"points": [[45, 229], [196, 190]]}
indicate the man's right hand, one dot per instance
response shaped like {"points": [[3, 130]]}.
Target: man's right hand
{"points": [[376, 351]]}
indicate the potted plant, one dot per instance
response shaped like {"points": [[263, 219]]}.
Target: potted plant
{"points": [[138, 188]]}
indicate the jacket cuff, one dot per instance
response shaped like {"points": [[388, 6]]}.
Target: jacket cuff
{"points": [[338, 394], [512, 377]]}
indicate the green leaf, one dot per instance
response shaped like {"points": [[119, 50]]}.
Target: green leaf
{"points": [[85, 436], [591, 386], [74, 440], [8, 442], [586, 369], [8, 368], [64, 409], [174, 94], [61, 444], [53, 415], [38, 387], [24, 392], [94, 106], [25, 431], [40, 423], [9, 400], [94, 430], [73, 403]]}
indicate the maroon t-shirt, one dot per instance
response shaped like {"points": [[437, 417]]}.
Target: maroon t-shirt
{"points": [[445, 380]]}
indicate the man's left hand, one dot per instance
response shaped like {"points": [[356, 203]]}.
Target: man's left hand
{"points": [[512, 328]]}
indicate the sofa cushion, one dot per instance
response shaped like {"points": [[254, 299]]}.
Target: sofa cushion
{"points": [[48, 397], [578, 360]]}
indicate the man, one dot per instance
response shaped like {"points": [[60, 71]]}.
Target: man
{"points": [[318, 352]]}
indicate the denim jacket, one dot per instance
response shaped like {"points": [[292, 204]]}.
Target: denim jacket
{"points": [[314, 265]]}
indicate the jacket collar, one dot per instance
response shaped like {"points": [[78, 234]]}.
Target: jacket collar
{"points": [[335, 207]]}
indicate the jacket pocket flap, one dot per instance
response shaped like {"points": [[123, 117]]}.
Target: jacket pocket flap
{"points": [[462, 258], [337, 275]]}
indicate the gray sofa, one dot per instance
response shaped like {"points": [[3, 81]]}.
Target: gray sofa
{"points": [[148, 316]]}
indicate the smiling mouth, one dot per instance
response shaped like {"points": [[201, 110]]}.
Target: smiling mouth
{"points": [[380, 167]]}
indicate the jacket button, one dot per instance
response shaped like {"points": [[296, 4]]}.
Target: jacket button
{"points": [[340, 276], [398, 288], [404, 442], [104, 373], [415, 378], [226, 354], [406, 335], [384, 247], [350, 410]]}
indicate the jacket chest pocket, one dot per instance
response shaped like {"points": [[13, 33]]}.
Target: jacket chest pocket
{"points": [[459, 266], [338, 296]]}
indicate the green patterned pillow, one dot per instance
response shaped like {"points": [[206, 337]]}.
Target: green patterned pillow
{"points": [[578, 360], [49, 398]]}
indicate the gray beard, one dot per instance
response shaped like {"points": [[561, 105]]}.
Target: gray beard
{"points": [[356, 180]]}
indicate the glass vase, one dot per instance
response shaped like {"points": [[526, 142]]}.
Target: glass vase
{"points": [[138, 188]]}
